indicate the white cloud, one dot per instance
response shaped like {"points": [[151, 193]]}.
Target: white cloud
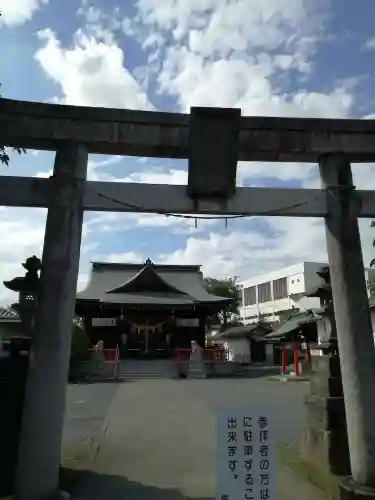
{"points": [[161, 176], [191, 79], [221, 25], [247, 253], [224, 54], [23, 236], [91, 72], [131, 257], [370, 44], [17, 12], [24, 230]]}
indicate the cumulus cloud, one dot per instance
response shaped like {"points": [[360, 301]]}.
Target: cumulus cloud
{"points": [[245, 252], [17, 12], [91, 72]]}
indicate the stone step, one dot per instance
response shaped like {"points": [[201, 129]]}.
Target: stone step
{"points": [[196, 369]]}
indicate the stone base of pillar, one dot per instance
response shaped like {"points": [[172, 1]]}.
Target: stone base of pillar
{"points": [[325, 443], [349, 490], [58, 495]]}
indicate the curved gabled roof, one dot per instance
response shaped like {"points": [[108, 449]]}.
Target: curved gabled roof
{"points": [[147, 280], [147, 284]]}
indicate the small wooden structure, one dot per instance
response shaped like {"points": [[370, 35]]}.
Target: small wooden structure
{"points": [[245, 344], [299, 330]]}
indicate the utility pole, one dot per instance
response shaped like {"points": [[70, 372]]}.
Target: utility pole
{"points": [[43, 415], [353, 321]]}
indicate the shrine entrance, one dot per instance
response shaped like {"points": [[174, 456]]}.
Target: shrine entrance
{"points": [[213, 140], [145, 343]]}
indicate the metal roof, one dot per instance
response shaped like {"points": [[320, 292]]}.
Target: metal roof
{"points": [[127, 284], [245, 331], [8, 314], [293, 323]]}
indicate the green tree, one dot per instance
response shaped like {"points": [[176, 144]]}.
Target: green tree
{"points": [[4, 156], [79, 350], [226, 287]]}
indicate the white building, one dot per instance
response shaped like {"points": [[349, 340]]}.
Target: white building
{"points": [[267, 296]]}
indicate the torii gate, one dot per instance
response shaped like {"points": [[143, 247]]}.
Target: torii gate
{"points": [[213, 140]]}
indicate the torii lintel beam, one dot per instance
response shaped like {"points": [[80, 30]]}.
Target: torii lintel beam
{"points": [[159, 198], [156, 134]]}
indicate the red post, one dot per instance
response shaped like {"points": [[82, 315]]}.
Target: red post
{"points": [[296, 358], [117, 358], [283, 359]]}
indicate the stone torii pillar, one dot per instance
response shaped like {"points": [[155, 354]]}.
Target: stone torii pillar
{"points": [[43, 416], [354, 329]]}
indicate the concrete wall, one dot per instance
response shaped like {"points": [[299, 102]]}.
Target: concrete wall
{"points": [[300, 278], [239, 349]]}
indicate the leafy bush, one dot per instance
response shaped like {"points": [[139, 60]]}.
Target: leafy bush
{"points": [[79, 352]]}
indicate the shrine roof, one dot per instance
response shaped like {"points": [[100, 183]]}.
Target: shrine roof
{"points": [[147, 284], [8, 314], [293, 324]]}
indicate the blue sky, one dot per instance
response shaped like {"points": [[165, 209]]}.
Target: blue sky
{"points": [[276, 57]]}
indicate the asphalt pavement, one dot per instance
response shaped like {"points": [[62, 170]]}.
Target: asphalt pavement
{"points": [[160, 439], [87, 406]]}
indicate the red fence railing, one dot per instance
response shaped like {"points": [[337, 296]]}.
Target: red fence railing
{"points": [[209, 355], [111, 356]]}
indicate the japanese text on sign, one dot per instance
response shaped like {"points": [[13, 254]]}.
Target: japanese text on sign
{"points": [[246, 465]]}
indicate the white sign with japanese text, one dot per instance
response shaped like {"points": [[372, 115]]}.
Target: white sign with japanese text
{"points": [[187, 322], [246, 455], [104, 321]]}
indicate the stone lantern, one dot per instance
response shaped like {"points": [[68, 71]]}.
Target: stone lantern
{"points": [[324, 292], [325, 443], [15, 372], [27, 288]]}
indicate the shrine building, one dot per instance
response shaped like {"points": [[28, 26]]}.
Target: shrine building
{"points": [[148, 310]]}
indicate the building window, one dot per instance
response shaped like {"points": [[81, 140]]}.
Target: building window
{"points": [[240, 300], [264, 292], [250, 296], [280, 288]]}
